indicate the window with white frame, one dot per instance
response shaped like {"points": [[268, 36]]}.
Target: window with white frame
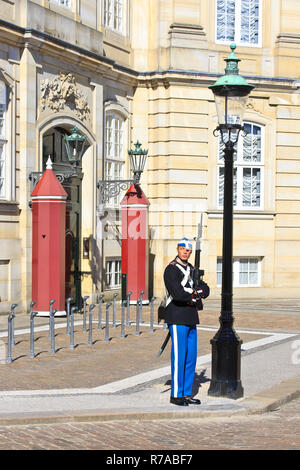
{"points": [[114, 15], [113, 273], [239, 21], [114, 148], [246, 272], [3, 140], [64, 3], [248, 177]]}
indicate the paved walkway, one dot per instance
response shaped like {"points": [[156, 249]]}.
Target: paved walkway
{"points": [[141, 443], [124, 378]]}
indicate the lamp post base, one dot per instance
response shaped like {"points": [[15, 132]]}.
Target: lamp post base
{"points": [[226, 361], [228, 389]]}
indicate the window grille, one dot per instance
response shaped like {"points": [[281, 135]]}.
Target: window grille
{"points": [[238, 21], [248, 170]]}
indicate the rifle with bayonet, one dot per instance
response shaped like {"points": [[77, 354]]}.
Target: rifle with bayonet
{"points": [[198, 284]]}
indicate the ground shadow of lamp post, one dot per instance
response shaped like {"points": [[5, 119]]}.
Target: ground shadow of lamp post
{"points": [[231, 93]]}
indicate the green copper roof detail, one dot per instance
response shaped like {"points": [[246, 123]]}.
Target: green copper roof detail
{"points": [[231, 80]]}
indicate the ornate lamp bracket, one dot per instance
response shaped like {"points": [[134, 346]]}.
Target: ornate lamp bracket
{"points": [[112, 188], [62, 176], [229, 133]]}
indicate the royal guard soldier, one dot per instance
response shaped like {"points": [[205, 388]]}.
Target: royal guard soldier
{"points": [[184, 300]]}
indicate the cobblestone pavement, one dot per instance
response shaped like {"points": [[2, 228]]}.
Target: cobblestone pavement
{"points": [[279, 430], [91, 366]]}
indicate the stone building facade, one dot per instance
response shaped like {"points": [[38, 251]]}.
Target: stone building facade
{"points": [[122, 70]]}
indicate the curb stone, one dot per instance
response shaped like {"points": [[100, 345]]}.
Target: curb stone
{"points": [[272, 398], [265, 401]]}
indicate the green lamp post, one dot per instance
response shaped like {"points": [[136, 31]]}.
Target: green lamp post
{"points": [[138, 158], [231, 92], [74, 144], [112, 188]]}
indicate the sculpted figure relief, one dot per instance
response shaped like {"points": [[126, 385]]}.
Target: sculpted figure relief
{"points": [[61, 92]]}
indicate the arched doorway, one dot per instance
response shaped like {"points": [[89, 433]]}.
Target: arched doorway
{"points": [[53, 145]]}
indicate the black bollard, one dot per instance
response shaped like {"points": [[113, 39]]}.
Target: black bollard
{"points": [[123, 319], [10, 341], [128, 308], [50, 310], [100, 312], [141, 305], [52, 334], [73, 310], [137, 329], [9, 358], [69, 300], [152, 314], [90, 342], [114, 325], [107, 322], [84, 312], [32, 315]]}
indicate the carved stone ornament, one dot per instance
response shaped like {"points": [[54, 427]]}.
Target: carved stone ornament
{"points": [[61, 92], [251, 105]]}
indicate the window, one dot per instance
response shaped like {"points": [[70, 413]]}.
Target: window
{"points": [[114, 149], [246, 272], [248, 171], [64, 3], [113, 274], [238, 21], [113, 15], [4, 283], [3, 140], [219, 271]]}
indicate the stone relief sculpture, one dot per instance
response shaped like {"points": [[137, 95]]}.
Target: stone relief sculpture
{"points": [[61, 92], [252, 105]]}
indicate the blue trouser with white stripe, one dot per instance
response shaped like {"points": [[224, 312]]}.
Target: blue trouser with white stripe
{"points": [[183, 359]]}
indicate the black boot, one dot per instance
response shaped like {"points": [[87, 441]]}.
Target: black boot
{"points": [[180, 401], [192, 401]]}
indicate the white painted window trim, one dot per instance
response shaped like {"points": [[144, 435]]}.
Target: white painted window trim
{"points": [[114, 160], [109, 23], [115, 262], [237, 35], [236, 271], [239, 165], [64, 3]]}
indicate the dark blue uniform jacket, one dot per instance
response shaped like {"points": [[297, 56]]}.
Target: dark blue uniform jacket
{"points": [[182, 310]]}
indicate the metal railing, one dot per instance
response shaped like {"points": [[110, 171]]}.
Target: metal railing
{"points": [[124, 321]]}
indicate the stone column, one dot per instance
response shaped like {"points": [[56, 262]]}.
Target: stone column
{"points": [[28, 103]]}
